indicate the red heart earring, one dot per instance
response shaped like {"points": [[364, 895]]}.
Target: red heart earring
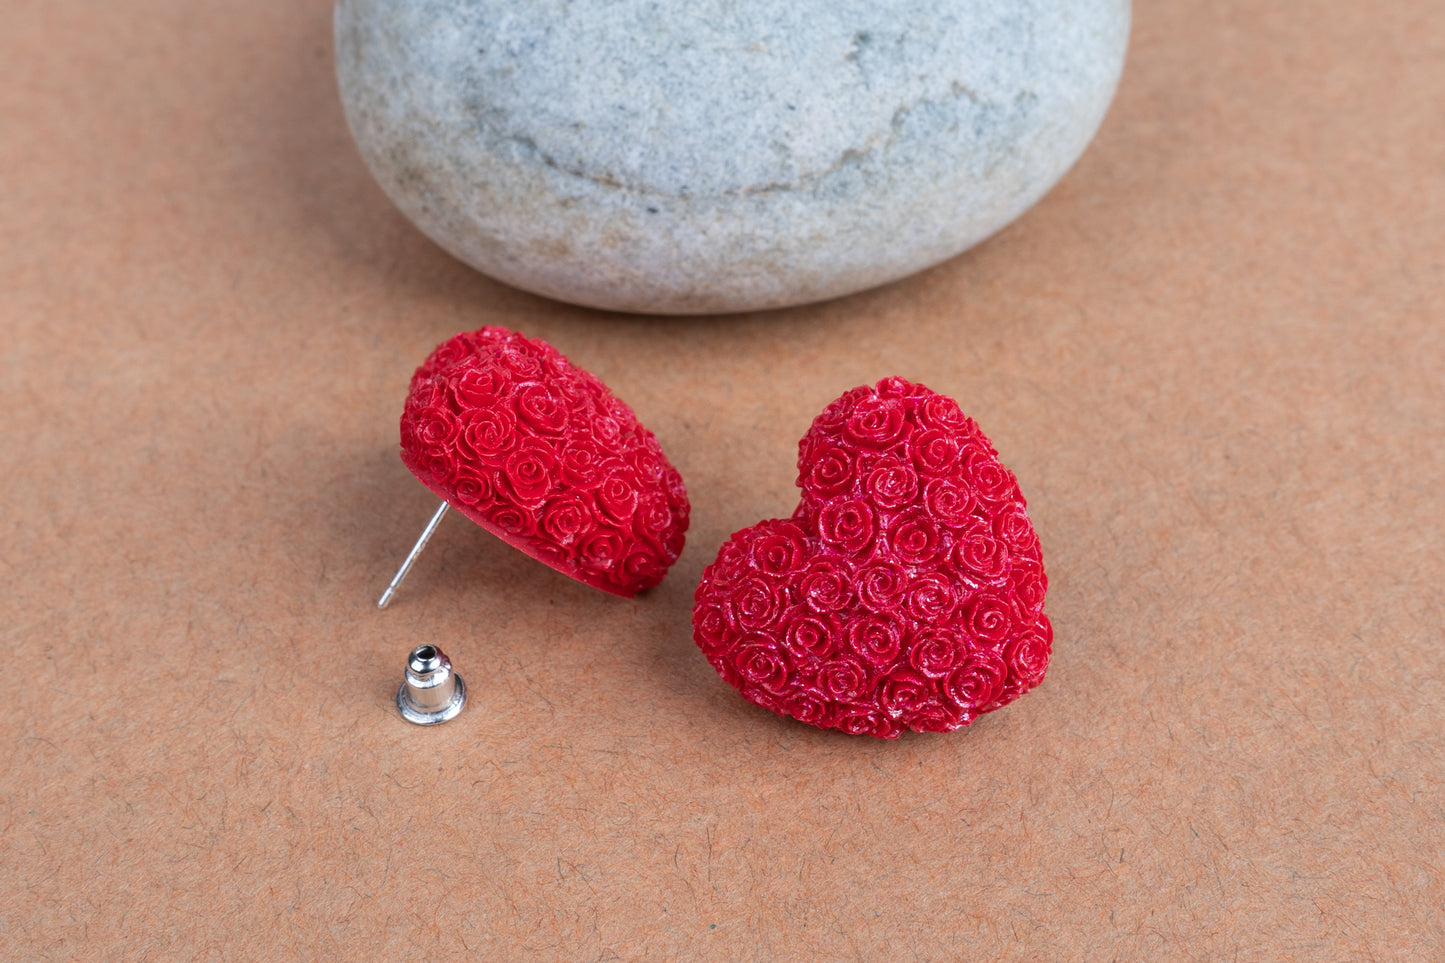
{"points": [[540, 453], [907, 590]]}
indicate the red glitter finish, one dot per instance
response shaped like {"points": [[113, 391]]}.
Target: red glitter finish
{"points": [[541, 454], [907, 590]]}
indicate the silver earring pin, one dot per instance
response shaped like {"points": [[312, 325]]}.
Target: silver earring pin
{"points": [[426, 534]]}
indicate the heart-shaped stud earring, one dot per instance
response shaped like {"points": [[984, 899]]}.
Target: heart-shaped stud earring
{"points": [[907, 590], [540, 453]]}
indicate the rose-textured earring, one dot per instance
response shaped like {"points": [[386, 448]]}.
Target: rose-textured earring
{"points": [[540, 453], [907, 590]]}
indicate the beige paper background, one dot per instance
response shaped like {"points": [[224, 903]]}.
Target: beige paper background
{"points": [[1213, 355]]}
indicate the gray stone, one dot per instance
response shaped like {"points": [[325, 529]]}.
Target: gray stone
{"points": [[720, 155]]}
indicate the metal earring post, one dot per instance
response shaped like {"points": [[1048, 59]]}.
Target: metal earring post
{"points": [[426, 534]]}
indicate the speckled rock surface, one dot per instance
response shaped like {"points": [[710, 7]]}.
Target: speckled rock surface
{"points": [[720, 155]]}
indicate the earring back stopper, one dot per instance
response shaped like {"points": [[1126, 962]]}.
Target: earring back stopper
{"points": [[432, 691]]}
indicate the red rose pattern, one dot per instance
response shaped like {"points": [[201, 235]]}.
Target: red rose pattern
{"points": [[906, 592], [541, 454]]}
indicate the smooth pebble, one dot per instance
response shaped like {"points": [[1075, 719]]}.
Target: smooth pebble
{"points": [[720, 155]]}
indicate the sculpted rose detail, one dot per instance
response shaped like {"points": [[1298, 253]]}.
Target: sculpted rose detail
{"points": [[992, 481], [831, 472], [935, 452], [842, 678], [977, 684], [760, 665], [530, 473], [580, 467], [825, 586], [907, 590], [875, 639], [989, 618], [876, 422], [942, 413], [951, 504], [754, 603], [642, 566], [1027, 656], [879, 585], [979, 552], [711, 625], [509, 519], [615, 495], [488, 436], [543, 408], [807, 637], [472, 488], [1013, 529], [930, 598], [437, 428], [541, 454], [915, 539], [1029, 587], [847, 525], [780, 552], [905, 693], [934, 655], [479, 388], [892, 485], [566, 518]]}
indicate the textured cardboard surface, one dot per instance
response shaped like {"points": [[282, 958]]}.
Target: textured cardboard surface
{"points": [[1213, 355]]}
